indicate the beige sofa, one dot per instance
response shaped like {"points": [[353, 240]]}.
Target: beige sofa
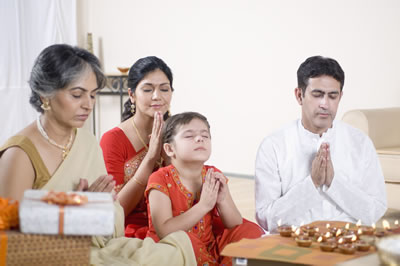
{"points": [[383, 127]]}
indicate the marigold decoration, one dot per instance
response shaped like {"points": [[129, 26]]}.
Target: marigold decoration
{"points": [[62, 198], [8, 214]]}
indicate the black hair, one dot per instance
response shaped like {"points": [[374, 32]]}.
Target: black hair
{"points": [[317, 66], [138, 71], [173, 122], [56, 67]]}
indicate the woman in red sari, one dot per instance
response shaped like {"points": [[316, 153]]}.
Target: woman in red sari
{"points": [[130, 154], [188, 195]]}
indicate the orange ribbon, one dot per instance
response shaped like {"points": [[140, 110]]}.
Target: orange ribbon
{"points": [[8, 214], [62, 199], [3, 248]]}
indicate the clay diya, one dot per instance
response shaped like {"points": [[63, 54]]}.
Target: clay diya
{"points": [[367, 230], [333, 230], [327, 246], [347, 248], [298, 232], [309, 230], [346, 228], [349, 237], [326, 236], [338, 232], [303, 241], [362, 245], [285, 230]]}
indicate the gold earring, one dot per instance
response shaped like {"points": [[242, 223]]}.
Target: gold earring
{"points": [[133, 108], [169, 113], [45, 106]]}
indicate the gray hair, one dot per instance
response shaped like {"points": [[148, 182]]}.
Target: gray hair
{"points": [[58, 66]]}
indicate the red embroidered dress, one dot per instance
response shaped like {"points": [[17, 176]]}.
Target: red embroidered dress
{"points": [[207, 244], [122, 161]]}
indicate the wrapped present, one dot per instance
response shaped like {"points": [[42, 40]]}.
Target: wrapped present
{"points": [[43, 212], [17, 248]]}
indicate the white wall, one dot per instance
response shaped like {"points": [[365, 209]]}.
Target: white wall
{"points": [[236, 61]]}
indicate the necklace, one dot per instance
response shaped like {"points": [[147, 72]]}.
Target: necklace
{"points": [[65, 149], [144, 143]]}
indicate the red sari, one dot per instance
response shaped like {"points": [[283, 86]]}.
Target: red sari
{"points": [[207, 241], [122, 161]]}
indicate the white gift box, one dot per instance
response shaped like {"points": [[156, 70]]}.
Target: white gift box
{"points": [[93, 218]]}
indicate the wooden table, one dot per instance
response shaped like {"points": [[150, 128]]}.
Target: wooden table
{"points": [[277, 250]]}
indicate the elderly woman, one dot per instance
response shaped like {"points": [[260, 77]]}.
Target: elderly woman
{"points": [[55, 153]]}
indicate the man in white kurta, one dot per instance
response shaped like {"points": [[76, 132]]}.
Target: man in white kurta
{"points": [[318, 168]]}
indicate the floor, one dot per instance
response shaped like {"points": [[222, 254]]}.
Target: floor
{"points": [[242, 191]]}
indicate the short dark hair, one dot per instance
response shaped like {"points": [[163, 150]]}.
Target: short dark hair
{"points": [[138, 71], [56, 67], [317, 66], [173, 122]]}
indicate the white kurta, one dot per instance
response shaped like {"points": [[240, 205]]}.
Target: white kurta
{"points": [[284, 188]]}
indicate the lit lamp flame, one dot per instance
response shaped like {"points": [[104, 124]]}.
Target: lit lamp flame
{"points": [[385, 225], [328, 234], [317, 229], [297, 232], [358, 224], [359, 231], [294, 228], [319, 240], [373, 226], [328, 225], [279, 222], [396, 222], [340, 240], [347, 226], [338, 232], [354, 238]]}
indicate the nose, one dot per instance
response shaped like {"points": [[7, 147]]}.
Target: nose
{"points": [[88, 103], [324, 102], [156, 94], [199, 138]]}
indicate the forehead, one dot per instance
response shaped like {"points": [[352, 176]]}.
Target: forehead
{"points": [[194, 125], [155, 77], [323, 83]]}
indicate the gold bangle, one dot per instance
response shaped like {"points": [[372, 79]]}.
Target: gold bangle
{"points": [[137, 181]]}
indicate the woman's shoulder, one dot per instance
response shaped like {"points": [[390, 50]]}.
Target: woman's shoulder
{"points": [[18, 158], [115, 134], [18, 142]]}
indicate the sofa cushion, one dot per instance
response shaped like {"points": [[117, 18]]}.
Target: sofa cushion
{"points": [[390, 162]]}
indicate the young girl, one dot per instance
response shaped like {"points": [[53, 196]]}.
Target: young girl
{"points": [[187, 195]]}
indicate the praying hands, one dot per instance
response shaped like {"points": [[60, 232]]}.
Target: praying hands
{"points": [[322, 171]]}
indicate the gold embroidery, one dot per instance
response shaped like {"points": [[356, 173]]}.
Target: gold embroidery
{"points": [[198, 228], [131, 166]]}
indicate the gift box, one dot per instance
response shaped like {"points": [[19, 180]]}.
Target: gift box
{"points": [[17, 248], [96, 217]]}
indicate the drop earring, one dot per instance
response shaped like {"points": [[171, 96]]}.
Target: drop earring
{"points": [[133, 108], [45, 106]]}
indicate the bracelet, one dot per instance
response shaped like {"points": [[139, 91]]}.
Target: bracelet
{"points": [[137, 181]]}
